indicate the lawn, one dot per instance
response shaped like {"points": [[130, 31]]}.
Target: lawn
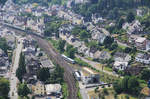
{"points": [[110, 94], [53, 42], [107, 78], [65, 90], [105, 68]]}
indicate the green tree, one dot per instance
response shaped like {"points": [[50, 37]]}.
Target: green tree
{"points": [[71, 53], [127, 50], [2, 2], [133, 85], [23, 90], [120, 23], [108, 41], [47, 33], [3, 45], [56, 76], [105, 91], [4, 88], [22, 67], [113, 46], [117, 87], [130, 17], [68, 47], [61, 45], [124, 83], [84, 34], [127, 97], [43, 74], [145, 74], [25, 97]]}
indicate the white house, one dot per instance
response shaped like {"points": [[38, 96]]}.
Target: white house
{"points": [[143, 58], [147, 45], [121, 60], [53, 89], [120, 65], [122, 57]]}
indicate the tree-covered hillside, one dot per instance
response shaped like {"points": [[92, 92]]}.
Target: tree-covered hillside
{"points": [[2, 2], [43, 2], [109, 8]]}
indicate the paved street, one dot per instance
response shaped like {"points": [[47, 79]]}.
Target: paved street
{"points": [[13, 78], [83, 91]]}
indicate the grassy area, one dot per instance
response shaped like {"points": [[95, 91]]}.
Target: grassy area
{"points": [[105, 67], [81, 62], [108, 69], [78, 94], [65, 90], [103, 76], [121, 47], [110, 95], [107, 78], [123, 96], [53, 42]]}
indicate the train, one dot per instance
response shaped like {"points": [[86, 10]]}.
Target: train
{"points": [[68, 59]]}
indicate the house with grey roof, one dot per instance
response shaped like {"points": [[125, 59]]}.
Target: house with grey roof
{"points": [[143, 58]]}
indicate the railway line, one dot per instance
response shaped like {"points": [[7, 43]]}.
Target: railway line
{"points": [[68, 77], [56, 57]]}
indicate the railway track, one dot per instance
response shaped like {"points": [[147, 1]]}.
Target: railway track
{"points": [[68, 74], [56, 57]]}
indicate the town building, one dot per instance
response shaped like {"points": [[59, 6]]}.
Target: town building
{"points": [[143, 58], [90, 77], [53, 89], [38, 89]]}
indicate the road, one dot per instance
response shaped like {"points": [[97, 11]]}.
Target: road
{"points": [[83, 91], [13, 78], [96, 65]]}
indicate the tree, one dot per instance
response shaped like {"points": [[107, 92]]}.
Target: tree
{"points": [[84, 34], [127, 50], [23, 97], [117, 87], [105, 91], [130, 17], [133, 85], [2, 2], [3, 45], [71, 53], [61, 45], [68, 47], [43, 74], [127, 97], [120, 23], [47, 33], [128, 85], [108, 41], [145, 74], [124, 84], [96, 89], [113, 46], [134, 49], [56, 76], [4, 88], [23, 90], [22, 67]]}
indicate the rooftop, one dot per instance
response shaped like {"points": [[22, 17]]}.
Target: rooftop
{"points": [[140, 39], [53, 88]]}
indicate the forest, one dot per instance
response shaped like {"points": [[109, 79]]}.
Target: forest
{"points": [[108, 7], [42, 2]]}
